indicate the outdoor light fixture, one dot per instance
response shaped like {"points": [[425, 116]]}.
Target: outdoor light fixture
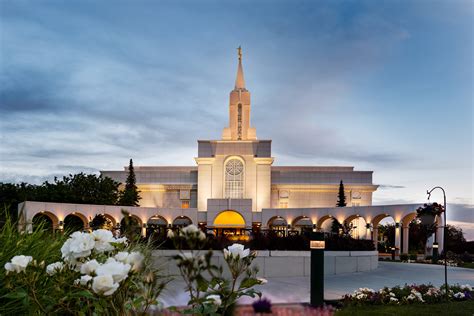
{"points": [[435, 245], [61, 225], [317, 245], [397, 225], [145, 225], [367, 225]]}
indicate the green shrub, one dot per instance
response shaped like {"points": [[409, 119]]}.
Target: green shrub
{"points": [[404, 257], [413, 256], [271, 241], [41, 244]]}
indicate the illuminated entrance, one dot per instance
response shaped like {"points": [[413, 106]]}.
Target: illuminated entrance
{"points": [[230, 224]]}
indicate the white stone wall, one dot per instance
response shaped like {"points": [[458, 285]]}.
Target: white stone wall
{"points": [[287, 263], [307, 196], [204, 182]]}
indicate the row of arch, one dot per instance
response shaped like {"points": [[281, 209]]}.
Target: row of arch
{"points": [[302, 221], [79, 221], [365, 227], [226, 218]]}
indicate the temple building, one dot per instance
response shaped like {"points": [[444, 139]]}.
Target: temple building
{"points": [[236, 187], [238, 168]]}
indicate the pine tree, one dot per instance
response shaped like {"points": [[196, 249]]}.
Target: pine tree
{"points": [[341, 202], [130, 195]]}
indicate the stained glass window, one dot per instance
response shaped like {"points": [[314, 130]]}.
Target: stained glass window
{"points": [[234, 179]]}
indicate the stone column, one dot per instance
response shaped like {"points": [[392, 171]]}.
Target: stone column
{"points": [[440, 235], [375, 236], [397, 238], [406, 232], [429, 246]]}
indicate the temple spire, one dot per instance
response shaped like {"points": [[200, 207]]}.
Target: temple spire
{"points": [[239, 81]]}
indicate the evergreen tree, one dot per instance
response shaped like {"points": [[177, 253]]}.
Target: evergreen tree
{"points": [[336, 227], [341, 202], [130, 195]]}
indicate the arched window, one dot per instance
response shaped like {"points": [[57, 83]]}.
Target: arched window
{"points": [[234, 179]]}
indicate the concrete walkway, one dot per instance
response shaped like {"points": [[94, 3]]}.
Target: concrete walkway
{"points": [[296, 289]]}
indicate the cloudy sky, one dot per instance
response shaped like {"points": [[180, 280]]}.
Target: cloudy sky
{"points": [[379, 85]]}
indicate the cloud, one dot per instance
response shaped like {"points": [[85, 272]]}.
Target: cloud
{"points": [[390, 186], [93, 85]]}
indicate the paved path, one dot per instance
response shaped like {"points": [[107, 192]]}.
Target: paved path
{"points": [[296, 289]]}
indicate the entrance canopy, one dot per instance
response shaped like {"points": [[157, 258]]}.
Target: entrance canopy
{"points": [[229, 219]]}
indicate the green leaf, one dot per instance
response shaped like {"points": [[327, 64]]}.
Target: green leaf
{"points": [[202, 283], [84, 293], [17, 295], [248, 283]]}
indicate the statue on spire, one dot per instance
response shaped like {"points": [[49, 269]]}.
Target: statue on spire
{"points": [[239, 81]]}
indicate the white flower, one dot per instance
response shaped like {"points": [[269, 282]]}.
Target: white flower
{"points": [[121, 240], [103, 238], [104, 284], [202, 236], [216, 299], [79, 245], [393, 299], [89, 267], [121, 256], [170, 234], [466, 287], [54, 267], [262, 280], [236, 250], [392, 294], [190, 229], [361, 296], [83, 280], [18, 263], [459, 295], [135, 259], [118, 270]]}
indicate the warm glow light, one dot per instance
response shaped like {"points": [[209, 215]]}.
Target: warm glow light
{"points": [[229, 219], [317, 244]]}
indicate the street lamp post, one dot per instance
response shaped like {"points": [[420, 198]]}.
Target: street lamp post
{"points": [[317, 245], [445, 236]]}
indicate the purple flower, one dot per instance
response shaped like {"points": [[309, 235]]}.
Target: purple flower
{"points": [[467, 295], [263, 305]]}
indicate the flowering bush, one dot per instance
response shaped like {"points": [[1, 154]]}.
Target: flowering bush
{"points": [[433, 209], [449, 263], [409, 294], [211, 293], [98, 274]]}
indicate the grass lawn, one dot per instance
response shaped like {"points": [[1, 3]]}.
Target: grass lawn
{"points": [[451, 309], [469, 265]]}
